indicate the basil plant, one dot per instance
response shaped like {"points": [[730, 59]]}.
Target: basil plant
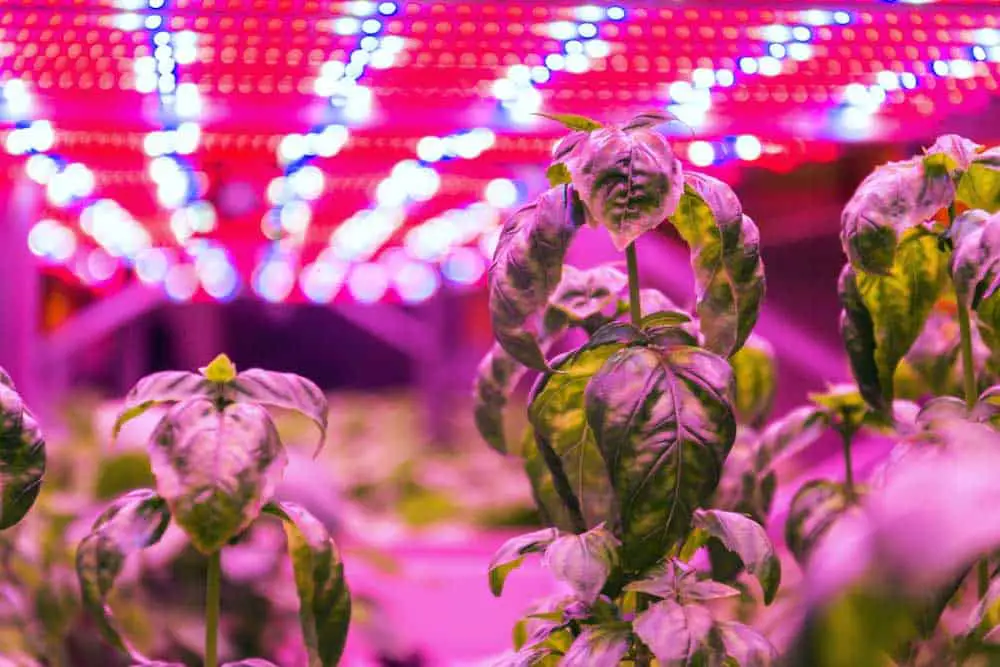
{"points": [[22, 455], [217, 458], [628, 433]]}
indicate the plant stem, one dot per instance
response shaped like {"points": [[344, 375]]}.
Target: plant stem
{"points": [[643, 657], [212, 610], [634, 307], [848, 467]]}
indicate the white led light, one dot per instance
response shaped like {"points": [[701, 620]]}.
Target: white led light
{"points": [[415, 282], [330, 140], [748, 147], [291, 148], [181, 282], [703, 77], [701, 153], [188, 101], [368, 282], [769, 66], [597, 48], [577, 63], [680, 91], [799, 51], [724, 78], [430, 149], [295, 217], [554, 61], [501, 192], [346, 25], [308, 182], [40, 168], [562, 30], [80, 179], [186, 138], [43, 137]]}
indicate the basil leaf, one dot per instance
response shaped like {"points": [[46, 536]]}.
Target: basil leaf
{"points": [[979, 186], [22, 456], [283, 390], [527, 267], [133, 522], [956, 151], [986, 615], [676, 634], [791, 434], [893, 199], [215, 469], [511, 554], [628, 178], [598, 646], [558, 174], [857, 330], [729, 274], [975, 261], [566, 440], [496, 376], [583, 293], [745, 645], [755, 372], [543, 489], [572, 121], [663, 421], [584, 561], [748, 484], [159, 389], [814, 508], [747, 539], [324, 599]]}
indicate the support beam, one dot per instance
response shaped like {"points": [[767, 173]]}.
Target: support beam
{"points": [[391, 325]]}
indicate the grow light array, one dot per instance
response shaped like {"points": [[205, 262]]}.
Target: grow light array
{"points": [[373, 147]]}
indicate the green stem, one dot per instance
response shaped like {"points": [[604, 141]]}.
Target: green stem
{"points": [[212, 609], [634, 307], [848, 467]]}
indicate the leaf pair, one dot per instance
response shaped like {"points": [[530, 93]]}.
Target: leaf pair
{"points": [[22, 455], [975, 270], [138, 520]]}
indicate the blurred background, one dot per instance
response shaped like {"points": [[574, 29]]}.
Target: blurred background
{"points": [[317, 187]]}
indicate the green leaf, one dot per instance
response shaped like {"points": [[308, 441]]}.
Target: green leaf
{"points": [[884, 314], [678, 635], [527, 268], [22, 456], [543, 489], [745, 645], [566, 441], [496, 376], [663, 420], [729, 274], [324, 599], [220, 371], [584, 561], [951, 152], [511, 554], [755, 372], [558, 174], [584, 293], [283, 390], [133, 522], [598, 646], [572, 121], [159, 389], [979, 186], [844, 408], [815, 507], [216, 469], [893, 199], [629, 179], [748, 540]]}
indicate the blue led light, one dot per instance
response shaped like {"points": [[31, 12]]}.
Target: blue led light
{"points": [[978, 53]]}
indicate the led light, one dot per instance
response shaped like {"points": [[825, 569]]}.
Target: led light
{"points": [[415, 282], [562, 30], [145, 83], [330, 140], [40, 237], [962, 69], [801, 33], [701, 153], [987, 36], [181, 282], [587, 30], [128, 21], [383, 60], [724, 78], [777, 33], [40, 168], [371, 26], [748, 147], [978, 53], [308, 182], [291, 148], [59, 191], [389, 193], [817, 17], [841, 18], [856, 94], [519, 74], [540, 74], [295, 217], [908, 80], [387, 8], [153, 21], [367, 282], [577, 63], [748, 65], [18, 98], [777, 50], [80, 179], [218, 278], [703, 77], [501, 192], [362, 7], [597, 48], [940, 68], [186, 138], [321, 280], [43, 137], [430, 149], [591, 13], [167, 83], [887, 80], [188, 101], [463, 266], [616, 13], [359, 103], [151, 265], [346, 25], [163, 168], [554, 61], [424, 184], [273, 280], [63, 245], [798, 51], [393, 43], [504, 89], [100, 265], [172, 192], [770, 66]]}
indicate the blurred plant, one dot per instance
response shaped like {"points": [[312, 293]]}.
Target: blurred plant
{"points": [[217, 457], [628, 432], [22, 455]]}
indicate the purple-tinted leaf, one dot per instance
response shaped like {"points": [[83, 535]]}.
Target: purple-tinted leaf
{"points": [[598, 646], [986, 616], [550, 504], [955, 153], [664, 423], [324, 599], [496, 376], [654, 301], [511, 554], [565, 439], [745, 645], [216, 469], [132, 523], [526, 657], [162, 388], [748, 540], [790, 435], [701, 590], [748, 484], [755, 372], [664, 580], [582, 293], [527, 267], [22, 456], [251, 662], [815, 507], [896, 305], [975, 261], [893, 199], [933, 354], [629, 180], [283, 390], [725, 247], [583, 561], [647, 120], [979, 186], [678, 635]]}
